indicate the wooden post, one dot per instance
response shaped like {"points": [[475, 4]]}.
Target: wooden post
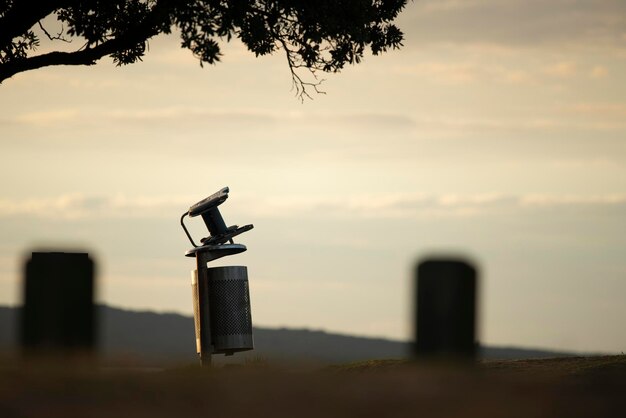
{"points": [[204, 311]]}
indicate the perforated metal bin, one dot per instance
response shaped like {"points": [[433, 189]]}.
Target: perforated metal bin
{"points": [[229, 306]]}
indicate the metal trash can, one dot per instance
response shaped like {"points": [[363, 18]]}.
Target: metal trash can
{"points": [[229, 306]]}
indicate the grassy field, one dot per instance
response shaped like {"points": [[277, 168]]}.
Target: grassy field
{"points": [[561, 387]]}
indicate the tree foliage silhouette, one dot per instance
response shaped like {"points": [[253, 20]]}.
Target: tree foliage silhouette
{"points": [[314, 35]]}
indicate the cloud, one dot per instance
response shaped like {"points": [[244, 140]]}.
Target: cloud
{"points": [[78, 206], [423, 206], [179, 117], [572, 200], [161, 116], [466, 72], [516, 22], [387, 206], [605, 109], [444, 72], [167, 115], [598, 71], [561, 69], [464, 66], [49, 117]]}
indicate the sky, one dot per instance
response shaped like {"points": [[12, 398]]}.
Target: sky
{"points": [[497, 133]]}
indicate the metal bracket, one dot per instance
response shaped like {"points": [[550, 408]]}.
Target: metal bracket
{"points": [[218, 232]]}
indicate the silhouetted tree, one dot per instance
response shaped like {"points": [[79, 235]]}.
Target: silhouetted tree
{"points": [[315, 35]]}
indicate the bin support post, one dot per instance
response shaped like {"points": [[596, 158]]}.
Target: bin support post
{"points": [[204, 309]]}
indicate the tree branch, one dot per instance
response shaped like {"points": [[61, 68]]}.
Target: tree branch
{"points": [[84, 57], [297, 83], [22, 16], [144, 30], [58, 37]]}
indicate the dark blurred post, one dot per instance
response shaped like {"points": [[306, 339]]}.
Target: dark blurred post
{"points": [[58, 316], [445, 323]]}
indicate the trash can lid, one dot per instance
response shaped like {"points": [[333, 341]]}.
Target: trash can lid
{"points": [[217, 251]]}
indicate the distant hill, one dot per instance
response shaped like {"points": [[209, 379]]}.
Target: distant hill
{"points": [[150, 338]]}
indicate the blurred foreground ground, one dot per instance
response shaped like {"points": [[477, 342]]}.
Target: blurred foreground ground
{"points": [[567, 387]]}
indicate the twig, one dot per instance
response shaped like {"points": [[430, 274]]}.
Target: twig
{"points": [[58, 37], [297, 83]]}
